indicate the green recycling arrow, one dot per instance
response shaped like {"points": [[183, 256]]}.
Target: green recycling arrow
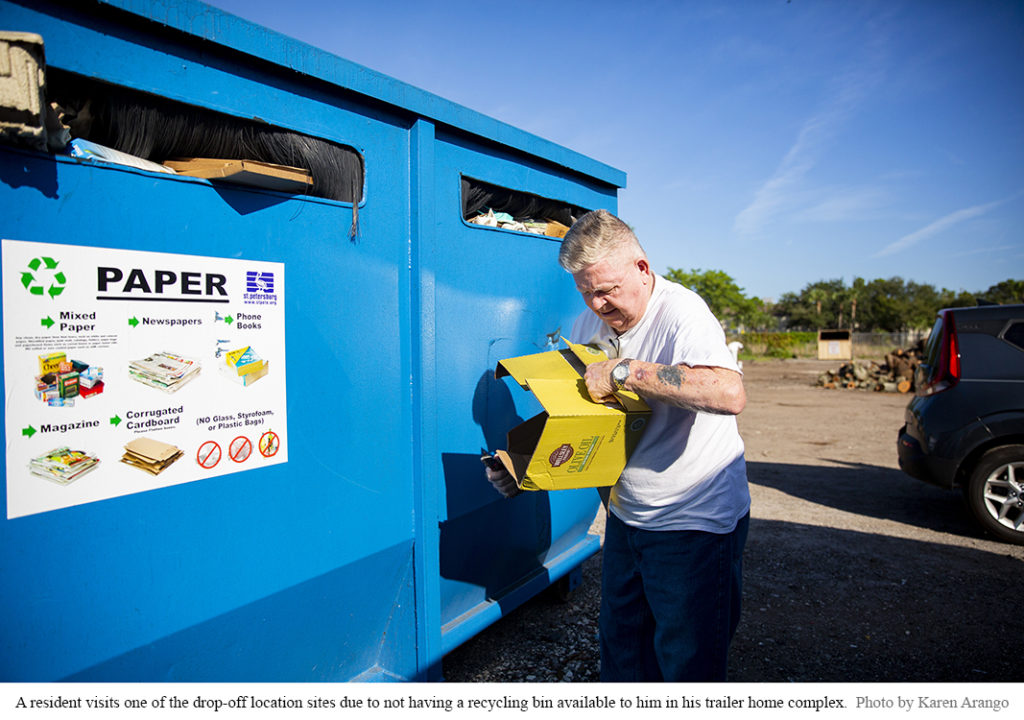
{"points": [[36, 286], [49, 262]]}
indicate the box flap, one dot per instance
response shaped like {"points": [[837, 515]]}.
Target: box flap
{"points": [[514, 463], [631, 402], [567, 365], [587, 354], [522, 439], [550, 365], [564, 364], [567, 397]]}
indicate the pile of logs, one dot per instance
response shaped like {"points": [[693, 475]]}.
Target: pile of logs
{"points": [[894, 374]]}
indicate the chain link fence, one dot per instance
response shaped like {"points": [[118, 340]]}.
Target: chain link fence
{"points": [[872, 345], [805, 344]]}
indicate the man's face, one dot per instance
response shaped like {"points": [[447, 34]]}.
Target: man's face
{"points": [[616, 289]]}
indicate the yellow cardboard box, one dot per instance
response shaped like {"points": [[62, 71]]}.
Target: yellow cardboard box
{"points": [[575, 442]]}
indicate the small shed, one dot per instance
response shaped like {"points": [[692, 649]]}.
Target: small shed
{"points": [[835, 345]]}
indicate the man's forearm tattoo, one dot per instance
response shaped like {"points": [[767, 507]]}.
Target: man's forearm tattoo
{"points": [[672, 375]]}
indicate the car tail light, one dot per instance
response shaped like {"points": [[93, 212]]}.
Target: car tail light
{"points": [[947, 371]]}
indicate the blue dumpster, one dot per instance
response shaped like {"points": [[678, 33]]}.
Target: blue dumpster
{"points": [[243, 423]]}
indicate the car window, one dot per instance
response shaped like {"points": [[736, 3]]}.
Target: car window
{"points": [[932, 349], [1015, 334]]}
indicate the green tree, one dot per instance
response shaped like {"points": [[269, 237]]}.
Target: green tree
{"points": [[887, 304], [880, 305], [795, 312], [956, 298], [855, 293], [819, 305], [817, 296], [1008, 292]]}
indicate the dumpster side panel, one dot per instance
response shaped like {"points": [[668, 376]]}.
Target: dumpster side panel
{"points": [[498, 294], [273, 640]]}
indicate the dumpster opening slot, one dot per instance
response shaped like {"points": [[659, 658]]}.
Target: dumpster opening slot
{"points": [[833, 335], [159, 129], [491, 205]]}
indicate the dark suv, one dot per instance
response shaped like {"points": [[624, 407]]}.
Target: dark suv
{"points": [[965, 425]]}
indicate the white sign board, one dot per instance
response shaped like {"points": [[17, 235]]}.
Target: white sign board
{"points": [[127, 371]]}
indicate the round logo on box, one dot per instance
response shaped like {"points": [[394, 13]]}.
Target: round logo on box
{"points": [[561, 455]]}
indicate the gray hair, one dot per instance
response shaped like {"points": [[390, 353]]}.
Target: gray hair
{"points": [[594, 237]]}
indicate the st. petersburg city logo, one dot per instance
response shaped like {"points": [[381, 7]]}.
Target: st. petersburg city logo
{"points": [[259, 288], [43, 277]]}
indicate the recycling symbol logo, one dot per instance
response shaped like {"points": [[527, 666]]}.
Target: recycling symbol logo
{"points": [[43, 277]]}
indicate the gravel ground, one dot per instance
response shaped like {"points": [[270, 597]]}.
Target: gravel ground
{"points": [[853, 571]]}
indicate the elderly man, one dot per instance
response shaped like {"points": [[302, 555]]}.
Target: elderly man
{"points": [[678, 515]]}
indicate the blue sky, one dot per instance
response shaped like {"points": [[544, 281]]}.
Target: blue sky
{"points": [[781, 142]]}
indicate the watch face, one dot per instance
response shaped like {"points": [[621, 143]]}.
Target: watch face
{"points": [[620, 373]]}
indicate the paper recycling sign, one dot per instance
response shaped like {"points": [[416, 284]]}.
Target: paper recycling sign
{"points": [[127, 371]]}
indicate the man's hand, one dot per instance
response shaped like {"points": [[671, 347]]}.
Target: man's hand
{"points": [[499, 477], [599, 380]]}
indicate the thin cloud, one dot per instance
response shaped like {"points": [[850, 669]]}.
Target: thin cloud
{"points": [[985, 250], [776, 192], [782, 190], [843, 205], [937, 226]]}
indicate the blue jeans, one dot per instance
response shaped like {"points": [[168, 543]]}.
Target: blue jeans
{"points": [[670, 602]]}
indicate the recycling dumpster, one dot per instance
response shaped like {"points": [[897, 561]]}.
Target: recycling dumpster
{"points": [[249, 370]]}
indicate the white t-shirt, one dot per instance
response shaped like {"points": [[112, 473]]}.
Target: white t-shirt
{"points": [[688, 472]]}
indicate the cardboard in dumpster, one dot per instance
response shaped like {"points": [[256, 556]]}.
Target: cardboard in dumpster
{"points": [[575, 442], [245, 172]]}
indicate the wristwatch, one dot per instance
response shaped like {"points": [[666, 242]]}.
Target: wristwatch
{"points": [[620, 374]]}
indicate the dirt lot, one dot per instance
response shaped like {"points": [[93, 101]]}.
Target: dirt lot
{"points": [[853, 571]]}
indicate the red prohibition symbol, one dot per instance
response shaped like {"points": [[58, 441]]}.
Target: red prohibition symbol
{"points": [[208, 454], [240, 449], [269, 444]]}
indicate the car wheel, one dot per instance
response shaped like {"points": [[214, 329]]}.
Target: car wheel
{"points": [[995, 493]]}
